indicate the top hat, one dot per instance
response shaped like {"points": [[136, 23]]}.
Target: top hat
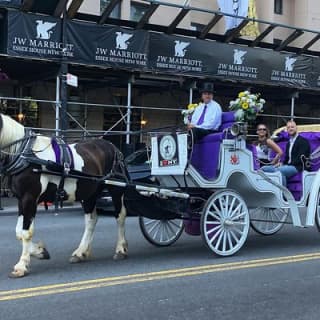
{"points": [[207, 87]]}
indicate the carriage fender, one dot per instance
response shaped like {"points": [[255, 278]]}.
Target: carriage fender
{"points": [[313, 200]]}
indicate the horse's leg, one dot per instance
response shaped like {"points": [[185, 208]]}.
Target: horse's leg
{"points": [[24, 233], [122, 244], [37, 250], [83, 251]]}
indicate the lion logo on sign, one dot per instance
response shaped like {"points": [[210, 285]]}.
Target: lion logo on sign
{"points": [[122, 40], [289, 64], [180, 48], [44, 29], [238, 56]]}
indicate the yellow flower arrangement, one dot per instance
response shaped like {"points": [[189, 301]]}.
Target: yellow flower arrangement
{"points": [[187, 113], [247, 106]]}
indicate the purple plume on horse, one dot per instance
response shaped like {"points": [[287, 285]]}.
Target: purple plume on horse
{"points": [[36, 175]]}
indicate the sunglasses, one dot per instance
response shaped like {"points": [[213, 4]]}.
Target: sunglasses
{"points": [[262, 129]]}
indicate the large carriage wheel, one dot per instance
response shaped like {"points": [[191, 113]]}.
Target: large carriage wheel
{"points": [[267, 221], [161, 233], [225, 222]]}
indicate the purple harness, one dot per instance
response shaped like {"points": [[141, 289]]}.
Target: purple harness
{"points": [[63, 153]]}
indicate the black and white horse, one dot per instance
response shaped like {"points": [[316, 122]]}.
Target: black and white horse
{"points": [[31, 184]]}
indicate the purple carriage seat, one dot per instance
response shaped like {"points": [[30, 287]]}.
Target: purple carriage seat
{"points": [[205, 155], [253, 149], [294, 183]]}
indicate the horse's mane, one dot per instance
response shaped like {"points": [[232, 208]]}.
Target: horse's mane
{"points": [[11, 131]]}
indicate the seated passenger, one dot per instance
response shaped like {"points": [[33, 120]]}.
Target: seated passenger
{"points": [[206, 118], [265, 146], [297, 150]]}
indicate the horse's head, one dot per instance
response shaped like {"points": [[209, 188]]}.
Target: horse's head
{"points": [[10, 130]]}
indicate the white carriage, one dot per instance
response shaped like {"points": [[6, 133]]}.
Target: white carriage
{"points": [[228, 193]]}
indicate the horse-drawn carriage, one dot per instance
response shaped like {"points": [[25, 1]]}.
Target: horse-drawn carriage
{"points": [[218, 190], [215, 190]]}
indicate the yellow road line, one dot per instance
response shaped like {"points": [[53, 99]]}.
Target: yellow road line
{"points": [[150, 276]]}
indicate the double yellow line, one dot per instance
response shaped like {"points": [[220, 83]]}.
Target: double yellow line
{"points": [[151, 276]]}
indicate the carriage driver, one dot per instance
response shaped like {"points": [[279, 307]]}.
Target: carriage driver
{"points": [[206, 118], [297, 151]]}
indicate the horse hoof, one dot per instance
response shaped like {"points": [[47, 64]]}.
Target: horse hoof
{"points": [[15, 274], [45, 254], [75, 259], [120, 256]]}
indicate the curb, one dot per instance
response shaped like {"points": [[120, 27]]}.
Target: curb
{"points": [[13, 210]]}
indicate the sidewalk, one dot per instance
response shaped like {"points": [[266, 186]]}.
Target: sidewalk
{"points": [[9, 205]]}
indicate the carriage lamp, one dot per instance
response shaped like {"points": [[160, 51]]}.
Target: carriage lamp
{"points": [[239, 129], [20, 116]]}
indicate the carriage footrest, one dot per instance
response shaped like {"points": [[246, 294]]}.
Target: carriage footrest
{"points": [[153, 189]]}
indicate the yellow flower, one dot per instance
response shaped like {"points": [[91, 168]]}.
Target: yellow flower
{"points": [[241, 94], [191, 106], [245, 105]]}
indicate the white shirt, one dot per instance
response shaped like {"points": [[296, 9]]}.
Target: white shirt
{"points": [[263, 152], [292, 141], [212, 118]]}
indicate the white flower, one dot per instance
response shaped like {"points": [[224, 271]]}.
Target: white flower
{"points": [[239, 114]]}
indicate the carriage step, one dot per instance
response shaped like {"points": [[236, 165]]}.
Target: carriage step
{"points": [[152, 189]]}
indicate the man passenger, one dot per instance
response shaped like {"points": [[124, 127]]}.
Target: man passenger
{"points": [[297, 151]]}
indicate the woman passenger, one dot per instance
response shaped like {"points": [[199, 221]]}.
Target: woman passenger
{"points": [[265, 146]]}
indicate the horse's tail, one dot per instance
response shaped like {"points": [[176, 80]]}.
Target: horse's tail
{"points": [[118, 167]]}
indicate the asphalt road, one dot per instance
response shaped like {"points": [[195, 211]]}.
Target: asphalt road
{"points": [[274, 277]]}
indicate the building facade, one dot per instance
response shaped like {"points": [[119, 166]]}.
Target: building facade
{"points": [[100, 104], [296, 13]]}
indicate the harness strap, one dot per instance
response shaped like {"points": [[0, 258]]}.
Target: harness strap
{"points": [[17, 162], [64, 158]]}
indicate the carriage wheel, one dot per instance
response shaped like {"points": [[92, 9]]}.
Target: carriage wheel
{"points": [[161, 233], [225, 222], [267, 221]]}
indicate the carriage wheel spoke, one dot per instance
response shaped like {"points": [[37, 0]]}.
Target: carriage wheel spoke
{"points": [[213, 214], [170, 228], [224, 241], [216, 235], [153, 224], [222, 207], [231, 207], [217, 245], [234, 236], [174, 223], [214, 229], [236, 210], [241, 214], [229, 239]]}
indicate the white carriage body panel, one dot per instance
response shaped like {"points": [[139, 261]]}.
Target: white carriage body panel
{"points": [[237, 172]]}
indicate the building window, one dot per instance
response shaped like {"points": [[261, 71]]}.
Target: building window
{"points": [[115, 12], [137, 10], [278, 6]]}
